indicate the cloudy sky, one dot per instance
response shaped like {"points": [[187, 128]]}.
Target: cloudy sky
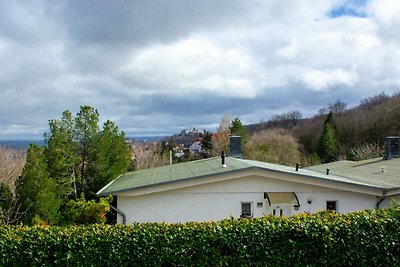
{"points": [[158, 66]]}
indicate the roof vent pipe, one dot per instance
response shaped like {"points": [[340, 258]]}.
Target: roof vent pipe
{"points": [[327, 171], [297, 167], [223, 159]]}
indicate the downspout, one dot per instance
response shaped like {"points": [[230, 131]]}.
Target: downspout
{"points": [[381, 199], [120, 212]]}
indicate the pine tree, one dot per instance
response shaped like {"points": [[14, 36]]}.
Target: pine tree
{"points": [[238, 129], [36, 190], [61, 154], [81, 158], [110, 157], [86, 136], [328, 145], [206, 143]]}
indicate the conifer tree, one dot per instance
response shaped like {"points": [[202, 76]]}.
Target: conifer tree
{"points": [[78, 158], [237, 128], [108, 159], [328, 145], [82, 159], [61, 153], [206, 144], [36, 190]]}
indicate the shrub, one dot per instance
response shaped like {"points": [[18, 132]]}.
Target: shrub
{"points": [[365, 238], [82, 211]]}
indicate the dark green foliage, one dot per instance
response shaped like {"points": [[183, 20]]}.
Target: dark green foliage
{"points": [[365, 238], [328, 146], [86, 135], [81, 157], [108, 159], [78, 158], [238, 129], [5, 196], [207, 141], [61, 153], [35, 190], [6, 201]]}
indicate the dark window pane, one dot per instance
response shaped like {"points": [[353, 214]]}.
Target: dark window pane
{"points": [[331, 205]]}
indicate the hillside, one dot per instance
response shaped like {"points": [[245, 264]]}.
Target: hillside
{"points": [[368, 123]]}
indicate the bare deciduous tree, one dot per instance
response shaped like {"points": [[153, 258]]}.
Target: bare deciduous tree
{"points": [[149, 156], [273, 146], [220, 140], [365, 151], [12, 162]]}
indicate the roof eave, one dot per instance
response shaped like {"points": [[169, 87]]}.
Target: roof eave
{"points": [[169, 182], [308, 177], [100, 192]]}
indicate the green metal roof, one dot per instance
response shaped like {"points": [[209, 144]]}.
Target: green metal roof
{"points": [[379, 172], [364, 173], [172, 173]]}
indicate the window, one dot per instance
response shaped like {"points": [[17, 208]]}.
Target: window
{"points": [[246, 210], [331, 205]]}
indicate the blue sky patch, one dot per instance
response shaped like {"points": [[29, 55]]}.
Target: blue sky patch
{"points": [[353, 8]]}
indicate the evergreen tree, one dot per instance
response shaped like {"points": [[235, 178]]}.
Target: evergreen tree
{"points": [[328, 145], [78, 158], [36, 190], [6, 198], [238, 129], [61, 154], [81, 158], [110, 157], [86, 136], [206, 144]]}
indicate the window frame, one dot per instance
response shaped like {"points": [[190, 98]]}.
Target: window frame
{"points": [[245, 214]]}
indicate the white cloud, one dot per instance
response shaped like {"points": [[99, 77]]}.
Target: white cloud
{"points": [[319, 80], [385, 12], [190, 62], [194, 65]]}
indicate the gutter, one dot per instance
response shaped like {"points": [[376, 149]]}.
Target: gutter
{"points": [[381, 199], [120, 212]]}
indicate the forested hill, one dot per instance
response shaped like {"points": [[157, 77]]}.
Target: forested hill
{"points": [[364, 125]]}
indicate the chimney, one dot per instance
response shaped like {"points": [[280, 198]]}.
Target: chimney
{"points": [[391, 147], [235, 147]]}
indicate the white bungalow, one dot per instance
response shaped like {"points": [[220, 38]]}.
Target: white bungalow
{"points": [[217, 188]]}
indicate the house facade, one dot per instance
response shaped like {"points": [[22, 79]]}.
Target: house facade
{"points": [[195, 148], [218, 188]]}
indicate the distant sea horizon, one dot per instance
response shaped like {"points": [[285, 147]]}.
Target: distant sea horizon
{"points": [[23, 144]]}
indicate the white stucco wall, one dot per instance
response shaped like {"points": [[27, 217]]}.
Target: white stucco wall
{"points": [[219, 200]]}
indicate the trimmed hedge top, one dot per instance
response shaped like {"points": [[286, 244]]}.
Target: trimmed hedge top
{"points": [[362, 238]]}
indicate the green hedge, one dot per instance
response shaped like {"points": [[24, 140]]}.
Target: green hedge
{"points": [[367, 238]]}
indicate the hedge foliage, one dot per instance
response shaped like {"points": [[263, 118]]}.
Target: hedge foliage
{"points": [[365, 238]]}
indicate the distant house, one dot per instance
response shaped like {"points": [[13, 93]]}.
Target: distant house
{"points": [[217, 188], [195, 148]]}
